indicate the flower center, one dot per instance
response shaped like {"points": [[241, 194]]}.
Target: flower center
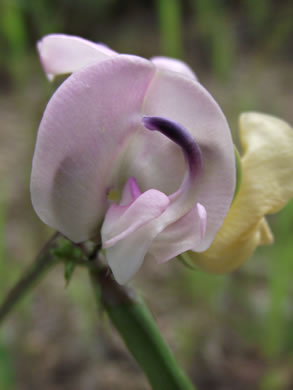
{"points": [[185, 197], [114, 195]]}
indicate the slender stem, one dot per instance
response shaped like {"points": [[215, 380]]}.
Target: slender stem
{"points": [[44, 261], [136, 326], [126, 310]]}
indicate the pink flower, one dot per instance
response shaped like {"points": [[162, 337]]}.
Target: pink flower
{"points": [[143, 130]]}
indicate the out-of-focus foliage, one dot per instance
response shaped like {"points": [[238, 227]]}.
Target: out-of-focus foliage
{"points": [[217, 29], [170, 20], [278, 336], [6, 365], [7, 379]]}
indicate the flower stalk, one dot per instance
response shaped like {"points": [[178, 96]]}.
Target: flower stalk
{"points": [[136, 326], [125, 308]]}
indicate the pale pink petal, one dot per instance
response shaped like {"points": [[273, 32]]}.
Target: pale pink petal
{"points": [[84, 130], [173, 65], [128, 230], [151, 212], [130, 192], [61, 54], [121, 221], [127, 255], [184, 234], [185, 197], [133, 227], [161, 164]]}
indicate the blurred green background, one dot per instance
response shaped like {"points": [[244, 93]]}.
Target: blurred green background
{"points": [[229, 332]]}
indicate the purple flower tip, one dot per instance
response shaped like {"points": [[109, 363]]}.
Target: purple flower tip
{"points": [[149, 122], [178, 134]]}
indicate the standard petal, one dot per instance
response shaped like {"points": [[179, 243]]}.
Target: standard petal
{"points": [[161, 164], [181, 236], [83, 132], [173, 65], [61, 54], [266, 187]]}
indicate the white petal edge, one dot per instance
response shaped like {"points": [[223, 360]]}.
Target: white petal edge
{"points": [[174, 65], [62, 54]]}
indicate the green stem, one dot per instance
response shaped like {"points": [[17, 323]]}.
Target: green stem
{"points": [[125, 309], [136, 326], [44, 261]]}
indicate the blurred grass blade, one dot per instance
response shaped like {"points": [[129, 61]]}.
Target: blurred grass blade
{"points": [[2, 232], [215, 28], [7, 371], [280, 282], [13, 27], [258, 13], [170, 20]]}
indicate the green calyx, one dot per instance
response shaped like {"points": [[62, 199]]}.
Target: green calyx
{"points": [[238, 172]]}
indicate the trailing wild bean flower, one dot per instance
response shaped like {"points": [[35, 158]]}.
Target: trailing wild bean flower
{"points": [[130, 152], [265, 188]]}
